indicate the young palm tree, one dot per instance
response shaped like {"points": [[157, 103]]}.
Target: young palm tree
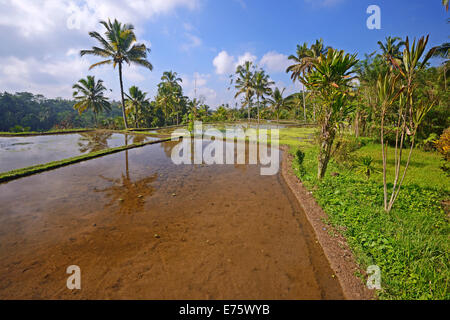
{"points": [[244, 83], [118, 47], [331, 78], [89, 96], [261, 86], [277, 102], [136, 100]]}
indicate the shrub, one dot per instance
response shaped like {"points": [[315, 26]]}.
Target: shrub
{"points": [[443, 144], [299, 157]]}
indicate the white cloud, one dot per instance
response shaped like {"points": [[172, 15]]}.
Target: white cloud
{"points": [[44, 38], [193, 42], [224, 63], [33, 17], [54, 78], [244, 58], [275, 62]]}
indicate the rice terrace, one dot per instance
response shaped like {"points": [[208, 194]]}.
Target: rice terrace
{"points": [[289, 161]]}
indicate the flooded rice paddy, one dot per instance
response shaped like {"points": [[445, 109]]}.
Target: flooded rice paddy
{"points": [[141, 227], [20, 152]]}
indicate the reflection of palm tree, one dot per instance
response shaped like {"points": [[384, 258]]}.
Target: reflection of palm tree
{"points": [[93, 141], [128, 194], [138, 138]]}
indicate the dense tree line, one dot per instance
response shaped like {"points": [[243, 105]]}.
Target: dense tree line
{"points": [[23, 110]]}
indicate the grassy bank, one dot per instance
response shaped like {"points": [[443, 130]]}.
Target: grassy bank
{"points": [[411, 244], [36, 133], [23, 172]]}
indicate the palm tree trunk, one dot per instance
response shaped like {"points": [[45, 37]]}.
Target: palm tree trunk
{"points": [[258, 109], [304, 104], [314, 112], [123, 97], [248, 106]]}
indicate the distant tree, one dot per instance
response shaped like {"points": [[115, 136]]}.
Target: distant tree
{"points": [[261, 86], [135, 102], [244, 83], [303, 62], [89, 95], [392, 50], [277, 102]]}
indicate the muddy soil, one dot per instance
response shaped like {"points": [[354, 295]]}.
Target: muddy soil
{"points": [[140, 227]]}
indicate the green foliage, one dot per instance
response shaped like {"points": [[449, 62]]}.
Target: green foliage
{"points": [[411, 244], [365, 166], [41, 114]]}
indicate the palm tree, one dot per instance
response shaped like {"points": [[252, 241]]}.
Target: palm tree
{"points": [[119, 47], [171, 82], [443, 51], [261, 86], [304, 62], [332, 79], [89, 96], [277, 102], [136, 100], [392, 50], [244, 83], [296, 100]]}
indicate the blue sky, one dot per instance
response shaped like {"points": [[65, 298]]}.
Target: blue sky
{"points": [[199, 39]]}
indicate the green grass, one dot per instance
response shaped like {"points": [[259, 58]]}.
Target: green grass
{"points": [[50, 132], [410, 244], [19, 173]]}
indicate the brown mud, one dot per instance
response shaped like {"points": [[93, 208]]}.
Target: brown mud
{"points": [[140, 227]]}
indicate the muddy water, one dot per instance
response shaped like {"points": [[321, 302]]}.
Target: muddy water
{"points": [[141, 227], [20, 152]]}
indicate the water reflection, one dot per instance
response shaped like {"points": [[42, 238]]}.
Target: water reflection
{"points": [[20, 152], [126, 195], [91, 142]]}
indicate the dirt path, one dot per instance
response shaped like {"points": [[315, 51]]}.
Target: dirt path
{"points": [[140, 227]]}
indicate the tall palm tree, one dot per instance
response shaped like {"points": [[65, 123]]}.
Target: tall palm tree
{"points": [[119, 46], [303, 62], [244, 83], [277, 102], [261, 86], [173, 88], [443, 51], [136, 100], [392, 50], [88, 95]]}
